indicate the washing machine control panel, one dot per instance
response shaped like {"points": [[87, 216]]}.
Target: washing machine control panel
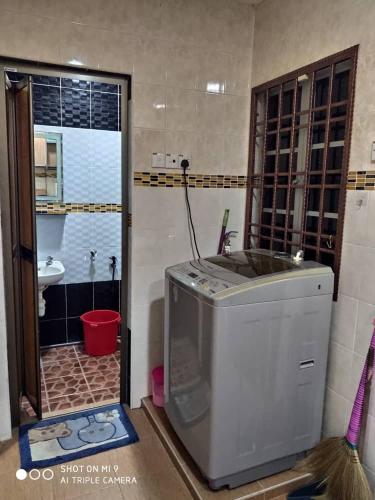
{"points": [[200, 280]]}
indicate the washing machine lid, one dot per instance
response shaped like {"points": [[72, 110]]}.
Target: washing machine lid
{"points": [[253, 264], [227, 279]]}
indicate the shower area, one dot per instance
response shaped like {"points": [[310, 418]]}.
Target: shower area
{"points": [[78, 184]]}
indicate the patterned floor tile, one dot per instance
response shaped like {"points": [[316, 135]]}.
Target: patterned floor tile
{"points": [[67, 402], [98, 364], [80, 351], [66, 386], [103, 380], [26, 407], [71, 378], [62, 369], [58, 354], [106, 394]]}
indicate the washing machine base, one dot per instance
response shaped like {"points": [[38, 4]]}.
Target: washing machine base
{"points": [[255, 473]]}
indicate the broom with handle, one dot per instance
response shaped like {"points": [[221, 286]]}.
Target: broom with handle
{"points": [[335, 461]]}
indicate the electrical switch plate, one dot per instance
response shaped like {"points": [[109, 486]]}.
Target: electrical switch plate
{"points": [[373, 151], [185, 156], [158, 160], [171, 161]]}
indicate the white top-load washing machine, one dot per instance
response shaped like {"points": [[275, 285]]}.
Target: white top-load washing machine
{"points": [[246, 341]]}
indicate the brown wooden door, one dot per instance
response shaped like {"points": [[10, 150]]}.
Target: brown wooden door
{"points": [[24, 233]]}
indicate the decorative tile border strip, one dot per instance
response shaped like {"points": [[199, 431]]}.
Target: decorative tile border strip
{"points": [[67, 208], [171, 180], [362, 180]]}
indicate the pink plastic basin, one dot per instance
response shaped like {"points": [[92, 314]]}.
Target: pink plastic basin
{"points": [[157, 382]]}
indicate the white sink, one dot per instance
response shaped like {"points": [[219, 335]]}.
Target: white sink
{"points": [[48, 275], [51, 274]]}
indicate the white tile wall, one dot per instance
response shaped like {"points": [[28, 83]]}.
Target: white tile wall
{"points": [[91, 164], [352, 319], [91, 174], [161, 240], [70, 239], [208, 46]]}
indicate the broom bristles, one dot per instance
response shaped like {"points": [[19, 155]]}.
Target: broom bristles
{"points": [[337, 466]]}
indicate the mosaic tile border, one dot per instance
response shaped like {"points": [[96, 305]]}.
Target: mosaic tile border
{"points": [[357, 180], [171, 180], [362, 180], [67, 208]]}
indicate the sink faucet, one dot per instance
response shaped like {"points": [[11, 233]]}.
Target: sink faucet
{"points": [[49, 261]]}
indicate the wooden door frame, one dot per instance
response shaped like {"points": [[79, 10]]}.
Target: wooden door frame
{"points": [[23, 66]]}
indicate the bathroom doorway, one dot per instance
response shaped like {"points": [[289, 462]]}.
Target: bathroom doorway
{"points": [[66, 237]]}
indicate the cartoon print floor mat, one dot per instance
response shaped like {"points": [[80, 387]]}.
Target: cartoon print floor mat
{"points": [[57, 440]]}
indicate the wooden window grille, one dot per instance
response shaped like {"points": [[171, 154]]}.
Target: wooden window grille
{"points": [[300, 133]]}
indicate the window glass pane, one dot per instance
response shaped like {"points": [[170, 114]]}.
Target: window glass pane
{"points": [[273, 103], [337, 132], [285, 138], [279, 234], [267, 197], [284, 162], [331, 200], [288, 94], [280, 220], [316, 159], [340, 87], [281, 195], [315, 179], [311, 240], [263, 243], [272, 125], [286, 123], [269, 180], [260, 106], [335, 157], [318, 134], [312, 223], [269, 164], [282, 179], [333, 179], [267, 217], [310, 254], [277, 246], [319, 116], [329, 226], [327, 259], [321, 87], [271, 142], [313, 200], [338, 111]]}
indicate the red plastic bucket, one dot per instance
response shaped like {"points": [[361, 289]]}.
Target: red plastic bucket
{"points": [[100, 330]]}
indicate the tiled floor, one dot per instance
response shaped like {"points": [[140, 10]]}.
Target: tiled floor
{"points": [[274, 487], [146, 461], [71, 379], [157, 478]]}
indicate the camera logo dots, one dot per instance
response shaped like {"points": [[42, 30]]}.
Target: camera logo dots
{"points": [[21, 474], [35, 474]]}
